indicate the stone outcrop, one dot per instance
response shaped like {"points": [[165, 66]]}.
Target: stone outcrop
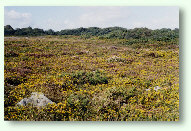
{"points": [[156, 88], [36, 99]]}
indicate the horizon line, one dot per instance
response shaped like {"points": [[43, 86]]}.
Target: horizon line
{"points": [[94, 27]]}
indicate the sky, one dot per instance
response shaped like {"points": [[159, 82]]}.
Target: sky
{"points": [[69, 17]]}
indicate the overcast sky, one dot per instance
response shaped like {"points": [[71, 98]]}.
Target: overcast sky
{"points": [[67, 17]]}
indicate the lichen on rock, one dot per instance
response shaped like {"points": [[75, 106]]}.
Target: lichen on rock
{"points": [[36, 99]]}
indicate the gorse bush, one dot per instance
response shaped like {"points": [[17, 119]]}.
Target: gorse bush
{"points": [[112, 100], [83, 77], [115, 104], [93, 79], [15, 80]]}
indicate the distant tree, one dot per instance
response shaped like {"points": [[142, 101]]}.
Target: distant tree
{"points": [[136, 35], [50, 32], [37, 31], [18, 32], [8, 30]]}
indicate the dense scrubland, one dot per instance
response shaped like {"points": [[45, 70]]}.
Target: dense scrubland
{"points": [[94, 77]]}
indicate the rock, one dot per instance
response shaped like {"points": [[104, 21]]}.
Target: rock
{"points": [[147, 89], [23, 102], [36, 99], [156, 88], [115, 59]]}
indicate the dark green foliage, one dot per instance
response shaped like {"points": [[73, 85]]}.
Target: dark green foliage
{"points": [[8, 30], [8, 99], [15, 80], [81, 77], [11, 54], [50, 32], [80, 104], [92, 78], [136, 35]]}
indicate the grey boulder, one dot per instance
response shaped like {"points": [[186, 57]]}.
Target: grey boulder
{"points": [[36, 99], [156, 88]]}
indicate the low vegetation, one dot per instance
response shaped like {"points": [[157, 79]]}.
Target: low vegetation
{"points": [[92, 78]]}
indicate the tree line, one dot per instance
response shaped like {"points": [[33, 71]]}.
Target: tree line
{"points": [[164, 34]]}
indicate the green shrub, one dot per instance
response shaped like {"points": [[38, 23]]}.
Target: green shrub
{"points": [[111, 102], [93, 78], [15, 80]]}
